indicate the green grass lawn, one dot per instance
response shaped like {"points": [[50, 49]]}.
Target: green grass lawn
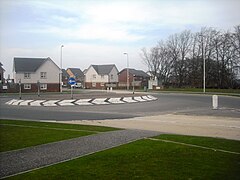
{"points": [[15, 134], [148, 159], [200, 90]]}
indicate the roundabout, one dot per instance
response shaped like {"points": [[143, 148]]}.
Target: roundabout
{"points": [[82, 102]]}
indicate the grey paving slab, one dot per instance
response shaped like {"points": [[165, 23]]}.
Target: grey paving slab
{"points": [[18, 161]]}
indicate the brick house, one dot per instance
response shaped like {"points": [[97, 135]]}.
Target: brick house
{"points": [[137, 77], [34, 73], [101, 76]]}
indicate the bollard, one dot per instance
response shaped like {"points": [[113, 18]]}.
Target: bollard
{"points": [[215, 101]]}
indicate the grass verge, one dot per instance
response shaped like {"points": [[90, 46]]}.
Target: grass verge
{"points": [[148, 159], [16, 134], [231, 92]]}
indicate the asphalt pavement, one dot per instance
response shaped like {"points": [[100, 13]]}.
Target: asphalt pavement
{"points": [[189, 104]]}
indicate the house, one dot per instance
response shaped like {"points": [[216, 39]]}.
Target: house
{"points": [[77, 74], [1, 74], [65, 77], [36, 74], [101, 76], [138, 78]]}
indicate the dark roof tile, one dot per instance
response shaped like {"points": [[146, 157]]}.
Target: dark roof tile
{"points": [[27, 64], [103, 69]]}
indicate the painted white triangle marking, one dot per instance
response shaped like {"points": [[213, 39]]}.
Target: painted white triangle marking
{"points": [[138, 98], [146, 98], [25, 103], [17, 102], [82, 102], [50, 103], [100, 101], [66, 102], [129, 100], [37, 103], [11, 101], [116, 101]]}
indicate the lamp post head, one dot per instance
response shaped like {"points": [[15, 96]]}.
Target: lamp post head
{"points": [[62, 46], [125, 53]]}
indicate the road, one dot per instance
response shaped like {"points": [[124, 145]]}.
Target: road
{"points": [[183, 104]]}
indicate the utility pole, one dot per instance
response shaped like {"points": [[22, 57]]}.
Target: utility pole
{"points": [[127, 70]]}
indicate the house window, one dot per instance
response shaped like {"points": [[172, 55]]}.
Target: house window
{"points": [[111, 76], [102, 84], [94, 76], [43, 75], [102, 76], [93, 84], [27, 86], [43, 86], [27, 76]]}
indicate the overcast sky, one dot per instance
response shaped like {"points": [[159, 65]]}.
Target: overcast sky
{"points": [[99, 31]]}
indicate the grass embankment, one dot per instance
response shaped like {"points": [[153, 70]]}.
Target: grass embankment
{"points": [[152, 159], [20, 134], [200, 90]]}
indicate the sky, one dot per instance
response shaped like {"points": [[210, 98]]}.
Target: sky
{"points": [[100, 31]]}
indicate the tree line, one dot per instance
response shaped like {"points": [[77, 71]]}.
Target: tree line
{"points": [[178, 61]]}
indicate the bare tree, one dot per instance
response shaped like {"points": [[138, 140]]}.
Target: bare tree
{"points": [[179, 46], [179, 60]]}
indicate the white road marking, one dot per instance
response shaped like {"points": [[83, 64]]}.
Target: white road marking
{"points": [[53, 128], [17, 102], [138, 98], [97, 101], [25, 103], [83, 102], [37, 103], [100, 101], [192, 145], [66, 102], [151, 97], [146, 98], [116, 101], [11, 101], [50, 103], [129, 100]]}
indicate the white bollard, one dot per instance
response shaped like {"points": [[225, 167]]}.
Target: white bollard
{"points": [[111, 89], [215, 101]]}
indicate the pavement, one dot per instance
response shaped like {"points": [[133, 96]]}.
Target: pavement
{"points": [[23, 160], [211, 126]]}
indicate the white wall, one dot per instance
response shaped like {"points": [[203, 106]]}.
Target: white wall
{"points": [[114, 72], [89, 76], [105, 79], [48, 66]]}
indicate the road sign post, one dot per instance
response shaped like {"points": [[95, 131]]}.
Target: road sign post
{"points": [[71, 81]]}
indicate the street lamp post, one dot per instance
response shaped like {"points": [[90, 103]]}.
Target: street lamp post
{"points": [[127, 70], [204, 63], [60, 78], [20, 89], [133, 83], [204, 72]]}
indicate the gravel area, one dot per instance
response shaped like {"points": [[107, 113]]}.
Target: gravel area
{"points": [[14, 162]]}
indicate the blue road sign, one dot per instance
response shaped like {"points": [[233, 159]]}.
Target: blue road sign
{"points": [[71, 81]]}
